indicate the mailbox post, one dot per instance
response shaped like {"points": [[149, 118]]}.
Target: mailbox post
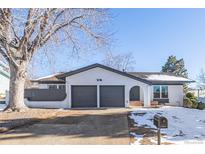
{"points": [[160, 122], [158, 136]]}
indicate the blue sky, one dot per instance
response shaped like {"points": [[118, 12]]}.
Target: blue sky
{"points": [[151, 35]]}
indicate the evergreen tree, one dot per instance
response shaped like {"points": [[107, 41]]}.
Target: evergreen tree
{"points": [[177, 67]]}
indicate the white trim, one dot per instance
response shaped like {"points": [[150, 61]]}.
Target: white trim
{"points": [[147, 94], [98, 96], [68, 91]]}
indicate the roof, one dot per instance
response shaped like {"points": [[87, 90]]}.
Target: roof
{"points": [[145, 77], [50, 79], [196, 86], [161, 77], [106, 68]]}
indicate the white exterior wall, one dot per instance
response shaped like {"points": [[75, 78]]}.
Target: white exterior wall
{"points": [[4, 84], [141, 94], [90, 77], [176, 95], [147, 95]]}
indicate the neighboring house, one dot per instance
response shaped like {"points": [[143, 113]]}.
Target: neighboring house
{"points": [[101, 86], [197, 92], [4, 79], [198, 89]]}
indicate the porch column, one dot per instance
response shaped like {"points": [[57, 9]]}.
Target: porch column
{"points": [[68, 91], [147, 96]]}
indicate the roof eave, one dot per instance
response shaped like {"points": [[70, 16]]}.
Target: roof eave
{"points": [[49, 82], [171, 82]]}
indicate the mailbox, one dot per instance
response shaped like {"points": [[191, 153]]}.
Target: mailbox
{"points": [[160, 121]]}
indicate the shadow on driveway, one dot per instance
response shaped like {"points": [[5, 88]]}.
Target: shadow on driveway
{"points": [[99, 127]]}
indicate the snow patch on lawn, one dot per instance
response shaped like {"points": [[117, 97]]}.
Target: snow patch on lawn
{"points": [[184, 125]]}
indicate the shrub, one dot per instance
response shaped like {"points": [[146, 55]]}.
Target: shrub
{"points": [[195, 104], [191, 96], [187, 103], [193, 99], [201, 106]]}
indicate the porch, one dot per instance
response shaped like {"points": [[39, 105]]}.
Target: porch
{"points": [[141, 96], [134, 104]]}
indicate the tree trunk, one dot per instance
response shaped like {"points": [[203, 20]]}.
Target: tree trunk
{"points": [[17, 83]]}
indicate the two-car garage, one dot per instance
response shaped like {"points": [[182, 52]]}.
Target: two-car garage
{"points": [[87, 96]]}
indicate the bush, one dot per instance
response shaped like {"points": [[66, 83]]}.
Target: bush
{"points": [[191, 101], [195, 104], [191, 96], [201, 106], [187, 103]]}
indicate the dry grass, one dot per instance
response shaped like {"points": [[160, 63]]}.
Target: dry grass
{"points": [[10, 120], [30, 113]]}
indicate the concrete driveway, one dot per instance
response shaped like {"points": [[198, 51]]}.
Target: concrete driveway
{"points": [[100, 126]]}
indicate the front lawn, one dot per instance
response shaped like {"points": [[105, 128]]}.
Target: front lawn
{"points": [[185, 126], [10, 120]]}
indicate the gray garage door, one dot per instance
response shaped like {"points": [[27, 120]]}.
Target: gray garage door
{"points": [[112, 96], [83, 96]]}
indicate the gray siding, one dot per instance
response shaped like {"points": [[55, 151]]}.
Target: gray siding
{"points": [[45, 94]]}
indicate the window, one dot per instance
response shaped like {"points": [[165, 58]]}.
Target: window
{"points": [[156, 91], [164, 93], [61, 87], [52, 86], [160, 91]]}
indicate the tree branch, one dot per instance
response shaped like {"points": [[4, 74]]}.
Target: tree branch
{"points": [[27, 29], [56, 28], [81, 26]]}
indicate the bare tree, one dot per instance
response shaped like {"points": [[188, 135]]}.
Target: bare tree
{"points": [[24, 31], [123, 62]]}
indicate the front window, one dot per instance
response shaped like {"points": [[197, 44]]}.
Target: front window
{"points": [[156, 91], [164, 92], [160, 91]]}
